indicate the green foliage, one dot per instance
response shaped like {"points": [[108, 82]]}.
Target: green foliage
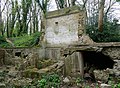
{"points": [[2, 39], [3, 42], [42, 83], [49, 80], [22, 41], [114, 85], [5, 45], [118, 0], [110, 32], [114, 82], [27, 40], [78, 80]]}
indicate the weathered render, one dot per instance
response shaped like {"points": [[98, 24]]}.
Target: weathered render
{"points": [[64, 26]]}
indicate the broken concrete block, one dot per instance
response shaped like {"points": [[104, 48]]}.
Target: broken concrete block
{"points": [[106, 86]]}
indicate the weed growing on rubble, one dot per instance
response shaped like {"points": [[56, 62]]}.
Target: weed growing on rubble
{"points": [[49, 81], [46, 81]]}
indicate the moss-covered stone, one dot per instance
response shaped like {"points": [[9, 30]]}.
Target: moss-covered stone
{"points": [[30, 73], [63, 11], [44, 63]]}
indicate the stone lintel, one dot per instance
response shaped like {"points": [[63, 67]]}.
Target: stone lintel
{"points": [[64, 11]]}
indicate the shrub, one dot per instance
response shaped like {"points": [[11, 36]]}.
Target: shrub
{"points": [[49, 81], [3, 42], [27, 40], [110, 32]]}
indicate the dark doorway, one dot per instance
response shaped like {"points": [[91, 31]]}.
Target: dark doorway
{"points": [[97, 59], [18, 54]]}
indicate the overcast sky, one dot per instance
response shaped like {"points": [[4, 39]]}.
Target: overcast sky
{"points": [[115, 13], [117, 10]]}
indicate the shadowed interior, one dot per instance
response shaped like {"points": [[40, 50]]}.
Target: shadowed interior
{"points": [[98, 60]]}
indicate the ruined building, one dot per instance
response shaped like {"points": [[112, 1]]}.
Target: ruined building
{"points": [[65, 39]]}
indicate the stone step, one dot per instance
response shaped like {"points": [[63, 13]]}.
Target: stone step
{"points": [[1, 79], [2, 85], [12, 74], [1, 73], [106, 86]]}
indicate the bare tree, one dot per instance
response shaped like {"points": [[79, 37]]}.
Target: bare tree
{"points": [[60, 4], [0, 12], [1, 20], [108, 8], [73, 2], [101, 15], [64, 3]]}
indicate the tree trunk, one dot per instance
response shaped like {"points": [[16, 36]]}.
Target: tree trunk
{"points": [[13, 14], [73, 2], [64, 3], [37, 24], [0, 13], [34, 19], [7, 27], [101, 15], [1, 25]]}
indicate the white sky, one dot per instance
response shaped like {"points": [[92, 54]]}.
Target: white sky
{"points": [[52, 5], [115, 13], [117, 10]]}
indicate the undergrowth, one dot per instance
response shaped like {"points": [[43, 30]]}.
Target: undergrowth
{"points": [[3, 42], [47, 81], [22, 41]]}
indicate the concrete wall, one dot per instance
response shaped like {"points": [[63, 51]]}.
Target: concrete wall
{"points": [[74, 65], [10, 54], [53, 53], [2, 55], [64, 26], [43, 53]]}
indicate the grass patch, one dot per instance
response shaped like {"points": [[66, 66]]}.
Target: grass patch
{"points": [[21, 41], [27, 40]]}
